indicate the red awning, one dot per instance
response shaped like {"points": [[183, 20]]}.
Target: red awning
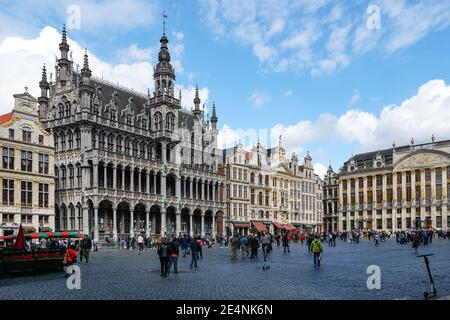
{"points": [[278, 225], [241, 225], [289, 226], [259, 226]]}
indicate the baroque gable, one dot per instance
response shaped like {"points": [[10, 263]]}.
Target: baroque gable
{"points": [[423, 159]]}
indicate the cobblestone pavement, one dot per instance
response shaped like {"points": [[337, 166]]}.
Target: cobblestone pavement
{"points": [[121, 274]]}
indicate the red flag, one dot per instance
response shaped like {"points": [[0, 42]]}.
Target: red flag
{"points": [[20, 243]]}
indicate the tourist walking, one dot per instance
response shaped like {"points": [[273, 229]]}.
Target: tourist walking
{"points": [[199, 243], [194, 253], [86, 246], [376, 238], [286, 243], [316, 249], [184, 245], [243, 245], [163, 253], [254, 244], [234, 246], [141, 244], [174, 253], [416, 241]]}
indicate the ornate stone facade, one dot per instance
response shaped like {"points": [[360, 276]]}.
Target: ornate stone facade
{"points": [[27, 169], [330, 200], [397, 189], [128, 163], [266, 190]]}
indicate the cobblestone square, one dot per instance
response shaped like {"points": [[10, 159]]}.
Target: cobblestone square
{"points": [[126, 275]]}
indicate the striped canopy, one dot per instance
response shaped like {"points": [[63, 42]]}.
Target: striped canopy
{"points": [[46, 235]]}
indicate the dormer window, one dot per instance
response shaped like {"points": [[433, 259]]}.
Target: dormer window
{"points": [[144, 124], [129, 120], [26, 136], [112, 116]]}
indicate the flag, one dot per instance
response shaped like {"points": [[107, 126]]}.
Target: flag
{"points": [[20, 243]]}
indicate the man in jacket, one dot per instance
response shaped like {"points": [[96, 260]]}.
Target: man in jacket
{"points": [[286, 243], [86, 246], [184, 245], [164, 254], [234, 246], [254, 244], [194, 253], [316, 249]]}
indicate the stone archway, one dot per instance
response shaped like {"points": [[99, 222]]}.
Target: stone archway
{"points": [[105, 219], [171, 224], [197, 222], [139, 219], [155, 220], [208, 222], [219, 223], [185, 222], [123, 218]]}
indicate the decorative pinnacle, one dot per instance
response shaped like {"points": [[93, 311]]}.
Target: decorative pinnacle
{"points": [[64, 34], [86, 60]]}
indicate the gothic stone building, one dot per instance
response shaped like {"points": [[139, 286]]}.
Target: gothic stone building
{"points": [[129, 163], [394, 189]]}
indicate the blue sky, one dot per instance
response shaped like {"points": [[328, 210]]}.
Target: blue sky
{"points": [[312, 71]]}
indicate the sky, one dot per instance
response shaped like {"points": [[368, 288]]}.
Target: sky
{"points": [[334, 78]]}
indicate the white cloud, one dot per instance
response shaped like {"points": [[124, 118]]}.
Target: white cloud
{"points": [[23, 59], [288, 93], [320, 170], [101, 18], [188, 95], [320, 36], [135, 54], [259, 99], [420, 116]]}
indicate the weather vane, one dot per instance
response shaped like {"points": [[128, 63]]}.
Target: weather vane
{"points": [[164, 15]]}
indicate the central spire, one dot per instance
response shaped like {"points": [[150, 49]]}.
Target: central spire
{"points": [[164, 73]]}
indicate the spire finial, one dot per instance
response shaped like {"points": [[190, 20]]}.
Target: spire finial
{"points": [[64, 34], [164, 15]]}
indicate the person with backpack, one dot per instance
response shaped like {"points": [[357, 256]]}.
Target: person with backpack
{"points": [[254, 245], [174, 253], [199, 243], [164, 254], [194, 253], [316, 249], [234, 246], [184, 244], [243, 245]]}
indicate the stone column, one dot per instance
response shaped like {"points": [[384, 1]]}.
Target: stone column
{"points": [[163, 185], [85, 219], [115, 178], [163, 152], [154, 182], [191, 226], [213, 227], [422, 195], [203, 225], [95, 173], [139, 181], [191, 191], [147, 180], [105, 176], [147, 222], [163, 222], [433, 198], [132, 179], [123, 178], [114, 210], [214, 192], [96, 225], [178, 224], [178, 187], [184, 188], [132, 222], [202, 187]]}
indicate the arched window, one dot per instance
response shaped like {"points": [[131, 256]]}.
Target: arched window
{"points": [[61, 111], [63, 141], [142, 150], [252, 177], [144, 124], [135, 148], [77, 139], [170, 121], [260, 199], [129, 120], [110, 142], [70, 140], [102, 140], [67, 109], [119, 144], [127, 146], [158, 121]]}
